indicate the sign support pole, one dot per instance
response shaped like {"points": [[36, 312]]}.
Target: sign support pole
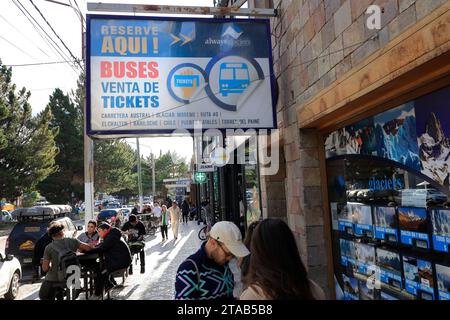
{"points": [[141, 200], [88, 152]]}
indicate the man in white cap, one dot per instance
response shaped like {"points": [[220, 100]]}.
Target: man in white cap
{"points": [[205, 275]]}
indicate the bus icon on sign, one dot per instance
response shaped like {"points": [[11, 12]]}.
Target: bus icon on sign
{"points": [[233, 78]]}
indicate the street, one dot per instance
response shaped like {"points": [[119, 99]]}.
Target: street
{"points": [[162, 261]]}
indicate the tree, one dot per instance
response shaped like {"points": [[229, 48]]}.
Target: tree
{"points": [[28, 143], [114, 161], [68, 179], [30, 198]]}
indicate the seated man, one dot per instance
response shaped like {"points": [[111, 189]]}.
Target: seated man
{"points": [[38, 252], [136, 233], [91, 235], [55, 278], [115, 252]]}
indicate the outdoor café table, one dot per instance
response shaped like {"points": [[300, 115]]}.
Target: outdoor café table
{"points": [[90, 263]]}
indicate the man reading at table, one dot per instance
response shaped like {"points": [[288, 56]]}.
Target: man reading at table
{"points": [[54, 282]]}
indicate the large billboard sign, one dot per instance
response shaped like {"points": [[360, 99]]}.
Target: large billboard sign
{"points": [[152, 75]]}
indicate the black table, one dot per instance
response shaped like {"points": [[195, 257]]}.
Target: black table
{"points": [[91, 263]]}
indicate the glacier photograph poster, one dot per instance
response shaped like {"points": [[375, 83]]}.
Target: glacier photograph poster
{"points": [[150, 75], [396, 135], [440, 221], [433, 134], [413, 225]]}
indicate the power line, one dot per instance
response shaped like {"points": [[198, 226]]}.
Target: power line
{"points": [[25, 36], [43, 17], [1, 37], [52, 46], [39, 63]]}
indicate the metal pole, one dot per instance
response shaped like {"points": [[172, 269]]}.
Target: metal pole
{"points": [[88, 154], [141, 200], [153, 176]]}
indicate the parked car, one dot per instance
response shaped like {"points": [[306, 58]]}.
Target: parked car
{"points": [[107, 215], [10, 275], [5, 216], [32, 224]]}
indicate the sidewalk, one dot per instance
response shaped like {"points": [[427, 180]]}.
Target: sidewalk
{"points": [[162, 262]]}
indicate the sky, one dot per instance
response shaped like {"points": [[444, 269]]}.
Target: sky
{"points": [[20, 43]]}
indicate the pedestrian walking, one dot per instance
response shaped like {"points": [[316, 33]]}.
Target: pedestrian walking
{"points": [[185, 210], [209, 265], [175, 214], [164, 222], [276, 272]]}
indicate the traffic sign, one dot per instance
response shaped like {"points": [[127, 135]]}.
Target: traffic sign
{"points": [[200, 177]]}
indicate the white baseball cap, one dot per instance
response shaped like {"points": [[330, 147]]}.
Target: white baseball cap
{"points": [[229, 234]]}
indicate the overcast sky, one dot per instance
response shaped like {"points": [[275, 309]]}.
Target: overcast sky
{"points": [[20, 43]]}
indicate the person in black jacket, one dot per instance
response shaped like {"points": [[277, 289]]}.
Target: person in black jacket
{"points": [[136, 233], [38, 252], [185, 210], [115, 252]]}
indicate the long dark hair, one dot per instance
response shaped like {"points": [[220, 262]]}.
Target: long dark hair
{"points": [[275, 263]]}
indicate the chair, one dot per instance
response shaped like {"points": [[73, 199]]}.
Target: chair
{"points": [[118, 273]]}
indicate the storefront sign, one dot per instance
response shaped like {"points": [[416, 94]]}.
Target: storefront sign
{"points": [[205, 167], [148, 75], [200, 177]]}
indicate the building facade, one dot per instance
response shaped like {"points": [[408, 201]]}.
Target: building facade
{"points": [[333, 72]]}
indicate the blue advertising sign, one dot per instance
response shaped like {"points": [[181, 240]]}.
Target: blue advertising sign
{"points": [[440, 219], [418, 277], [148, 75], [413, 223]]}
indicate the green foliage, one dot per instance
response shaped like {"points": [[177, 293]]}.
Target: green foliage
{"points": [[27, 142], [30, 198], [68, 179], [114, 161]]}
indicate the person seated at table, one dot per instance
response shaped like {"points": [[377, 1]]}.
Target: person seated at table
{"points": [[38, 252], [116, 255], [136, 233], [54, 282], [91, 235]]}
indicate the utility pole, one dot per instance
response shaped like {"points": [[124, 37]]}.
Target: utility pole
{"points": [[153, 176], [141, 200]]}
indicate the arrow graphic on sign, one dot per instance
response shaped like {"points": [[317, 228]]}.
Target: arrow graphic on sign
{"points": [[175, 39], [186, 39]]}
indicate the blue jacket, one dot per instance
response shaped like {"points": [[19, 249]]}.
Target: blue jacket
{"points": [[216, 282]]}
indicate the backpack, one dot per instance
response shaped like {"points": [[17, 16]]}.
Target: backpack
{"points": [[66, 258]]}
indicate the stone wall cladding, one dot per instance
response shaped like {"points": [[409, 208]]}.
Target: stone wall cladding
{"points": [[315, 42]]}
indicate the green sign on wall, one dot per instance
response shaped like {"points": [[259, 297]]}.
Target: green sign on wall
{"points": [[200, 177]]}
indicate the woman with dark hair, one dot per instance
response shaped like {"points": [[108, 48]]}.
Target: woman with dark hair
{"points": [[276, 271], [243, 263]]}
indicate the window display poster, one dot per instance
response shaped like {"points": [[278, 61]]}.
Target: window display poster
{"points": [[443, 281], [345, 218], [413, 223], [334, 215], [390, 268], [419, 277], [386, 224], [440, 220], [362, 218], [348, 254], [365, 257], [351, 290]]}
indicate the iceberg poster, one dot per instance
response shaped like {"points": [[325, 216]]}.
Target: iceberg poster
{"points": [[433, 134], [396, 135]]}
